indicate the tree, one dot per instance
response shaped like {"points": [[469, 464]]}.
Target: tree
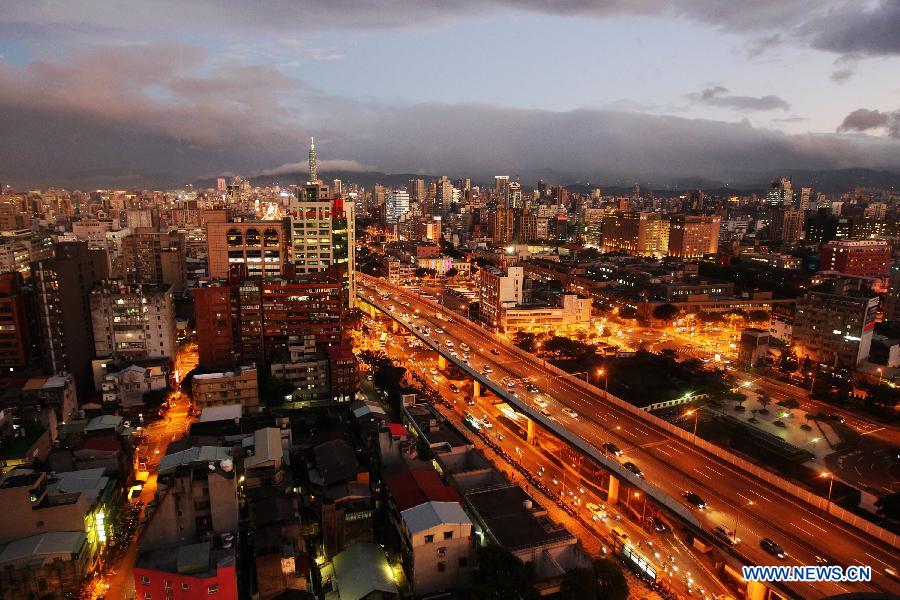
{"points": [[758, 315], [155, 398], [579, 584], [665, 312], [611, 580], [452, 272], [526, 341], [763, 400], [274, 390], [501, 575], [889, 506], [423, 272]]}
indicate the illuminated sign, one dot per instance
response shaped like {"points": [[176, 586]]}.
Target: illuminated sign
{"points": [[100, 523]]}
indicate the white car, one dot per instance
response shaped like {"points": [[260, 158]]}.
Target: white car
{"points": [[540, 402], [570, 413]]}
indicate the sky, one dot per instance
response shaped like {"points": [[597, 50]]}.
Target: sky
{"points": [[114, 93]]}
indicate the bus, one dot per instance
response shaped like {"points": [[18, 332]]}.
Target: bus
{"points": [[382, 342]]}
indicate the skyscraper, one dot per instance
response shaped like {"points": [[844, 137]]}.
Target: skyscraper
{"points": [[313, 167], [311, 229], [62, 286], [781, 193], [397, 205]]}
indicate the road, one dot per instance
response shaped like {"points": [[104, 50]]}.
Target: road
{"points": [[567, 479], [157, 436], [736, 500]]}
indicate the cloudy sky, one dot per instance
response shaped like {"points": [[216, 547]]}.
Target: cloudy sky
{"points": [[120, 93]]}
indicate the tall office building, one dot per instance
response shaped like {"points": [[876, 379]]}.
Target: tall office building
{"points": [[693, 236], [514, 197], [865, 258], [133, 321], [805, 197], [501, 225], [19, 341], [152, 257], [416, 189], [501, 186], [639, 234], [892, 298], [62, 286], [311, 229], [313, 164], [337, 187], [263, 246], [257, 319], [396, 205], [834, 325], [781, 193], [444, 192], [787, 223], [343, 235]]}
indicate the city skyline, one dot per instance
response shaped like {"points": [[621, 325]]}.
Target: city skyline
{"points": [[589, 91]]}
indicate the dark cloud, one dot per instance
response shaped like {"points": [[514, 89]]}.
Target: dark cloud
{"points": [[864, 119], [841, 76], [719, 96], [158, 114], [832, 25]]}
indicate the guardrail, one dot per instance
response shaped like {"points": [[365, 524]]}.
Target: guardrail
{"points": [[773, 479]]}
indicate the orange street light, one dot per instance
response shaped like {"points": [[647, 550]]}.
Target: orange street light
{"points": [[830, 486]]}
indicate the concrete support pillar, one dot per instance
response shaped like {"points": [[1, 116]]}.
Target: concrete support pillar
{"points": [[530, 432], [756, 591], [442, 362], [613, 496], [476, 388]]}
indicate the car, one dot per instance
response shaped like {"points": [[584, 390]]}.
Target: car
{"points": [[634, 469], [495, 351], [532, 388], [657, 524], [449, 343], [570, 413], [452, 353], [612, 449], [368, 378], [487, 369], [438, 330], [770, 546], [454, 388], [729, 537], [433, 371], [510, 384], [694, 499], [540, 402], [824, 561], [836, 417]]}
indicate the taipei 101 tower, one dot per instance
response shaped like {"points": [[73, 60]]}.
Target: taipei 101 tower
{"points": [[313, 169]]}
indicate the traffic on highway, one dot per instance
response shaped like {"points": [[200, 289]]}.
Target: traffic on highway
{"points": [[747, 517]]}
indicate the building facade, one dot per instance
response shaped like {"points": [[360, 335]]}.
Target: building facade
{"points": [[133, 320]]}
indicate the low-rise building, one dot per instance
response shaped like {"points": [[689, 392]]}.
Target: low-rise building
{"points": [[218, 389], [188, 572]]}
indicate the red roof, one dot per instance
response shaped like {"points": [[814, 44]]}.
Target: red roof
{"points": [[100, 443], [417, 486], [398, 430]]}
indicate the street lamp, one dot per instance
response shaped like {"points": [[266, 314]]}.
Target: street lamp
{"points": [[812, 382], [879, 375], [696, 413], [830, 477], [601, 372]]}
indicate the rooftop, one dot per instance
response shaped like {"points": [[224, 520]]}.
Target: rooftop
{"points": [[50, 545], [412, 487], [200, 560], [359, 571], [336, 461], [511, 523], [431, 514]]}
